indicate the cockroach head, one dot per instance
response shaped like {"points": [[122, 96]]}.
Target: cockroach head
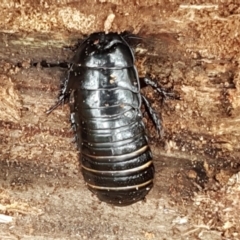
{"points": [[102, 41]]}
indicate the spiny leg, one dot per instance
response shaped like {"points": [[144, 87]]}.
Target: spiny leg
{"points": [[65, 92], [62, 100], [162, 91], [153, 114], [67, 85]]}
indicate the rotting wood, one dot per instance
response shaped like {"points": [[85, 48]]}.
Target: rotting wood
{"points": [[200, 148], [204, 124]]}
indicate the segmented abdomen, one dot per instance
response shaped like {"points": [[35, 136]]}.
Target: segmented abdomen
{"points": [[116, 159]]}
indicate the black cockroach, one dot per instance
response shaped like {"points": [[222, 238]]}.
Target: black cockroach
{"points": [[106, 117]]}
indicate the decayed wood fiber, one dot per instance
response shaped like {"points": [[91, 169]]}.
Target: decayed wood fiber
{"points": [[193, 48], [202, 66]]}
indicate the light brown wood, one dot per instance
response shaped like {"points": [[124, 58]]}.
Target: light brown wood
{"points": [[193, 48]]}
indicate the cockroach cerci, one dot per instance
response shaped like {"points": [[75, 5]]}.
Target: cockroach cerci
{"points": [[115, 156]]}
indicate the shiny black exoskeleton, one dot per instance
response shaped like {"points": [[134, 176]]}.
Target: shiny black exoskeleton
{"points": [[106, 117]]}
